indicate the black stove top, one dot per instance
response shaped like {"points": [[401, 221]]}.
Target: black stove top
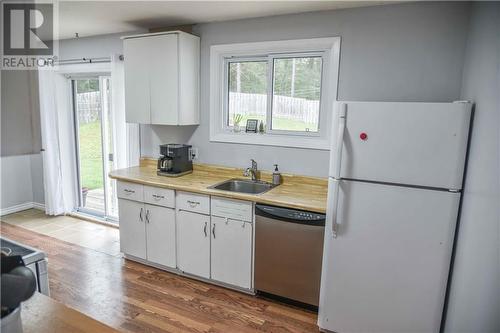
{"points": [[14, 249], [29, 254]]}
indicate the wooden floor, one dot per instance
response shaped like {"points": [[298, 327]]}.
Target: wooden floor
{"points": [[135, 298]]}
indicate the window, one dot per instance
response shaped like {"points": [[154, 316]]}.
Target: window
{"points": [[288, 86], [247, 91], [296, 94]]}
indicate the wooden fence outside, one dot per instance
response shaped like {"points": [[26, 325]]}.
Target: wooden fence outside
{"points": [[88, 106], [293, 108]]}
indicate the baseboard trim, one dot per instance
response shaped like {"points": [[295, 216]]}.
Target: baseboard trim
{"points": [[21, 207]]}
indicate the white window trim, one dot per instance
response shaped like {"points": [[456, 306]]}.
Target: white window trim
{"points": [[219, 132]]}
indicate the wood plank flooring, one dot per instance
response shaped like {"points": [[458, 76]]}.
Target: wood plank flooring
{"points": [[132, 297]]}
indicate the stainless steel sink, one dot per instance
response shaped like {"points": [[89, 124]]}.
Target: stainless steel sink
{"points": [[243, 186]]}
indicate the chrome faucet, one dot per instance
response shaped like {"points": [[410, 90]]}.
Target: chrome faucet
{"points": [[252, 171]]}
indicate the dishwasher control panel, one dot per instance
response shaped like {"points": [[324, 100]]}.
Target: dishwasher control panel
{"points": [[290, 215]]}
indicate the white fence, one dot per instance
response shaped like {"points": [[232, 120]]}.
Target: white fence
{"points": [[88, 106], [293, 108]]}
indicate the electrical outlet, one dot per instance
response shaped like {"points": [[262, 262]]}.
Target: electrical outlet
{"points": [[194, 153]]}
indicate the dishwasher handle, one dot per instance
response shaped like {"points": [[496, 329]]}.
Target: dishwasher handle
{"points": [[290, 215]]}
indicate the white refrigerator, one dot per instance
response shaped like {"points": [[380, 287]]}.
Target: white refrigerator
{"points": [[396, 172]]}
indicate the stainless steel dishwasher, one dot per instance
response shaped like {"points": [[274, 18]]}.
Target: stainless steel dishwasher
{"points": [[288, 253]]}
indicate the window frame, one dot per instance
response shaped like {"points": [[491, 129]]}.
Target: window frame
{"points": [[222, 55]]}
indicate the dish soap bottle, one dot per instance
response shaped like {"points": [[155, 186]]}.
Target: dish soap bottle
{"points": [[276, 175]]}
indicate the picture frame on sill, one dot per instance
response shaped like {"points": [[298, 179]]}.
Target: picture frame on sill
{"points": [[252, 126]]}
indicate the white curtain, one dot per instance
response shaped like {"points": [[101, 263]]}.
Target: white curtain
{"points": [[58, 136], [59, 168], [126, 138]]}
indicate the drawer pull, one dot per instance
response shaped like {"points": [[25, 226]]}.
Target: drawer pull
{"points": [[158, 197], [193, 203], [127, 191]]}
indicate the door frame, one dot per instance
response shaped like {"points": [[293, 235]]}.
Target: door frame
{"points": [[104, 149]]}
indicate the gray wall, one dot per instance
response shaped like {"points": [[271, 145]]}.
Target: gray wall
{"points": [[409, 52], [16, 186], [474, 302], [20, 116], [20, 139]]}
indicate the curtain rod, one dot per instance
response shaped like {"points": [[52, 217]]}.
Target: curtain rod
{"points": [[86, 60]]}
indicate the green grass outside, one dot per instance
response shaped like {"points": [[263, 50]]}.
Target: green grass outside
{"points": [[91, 155]]}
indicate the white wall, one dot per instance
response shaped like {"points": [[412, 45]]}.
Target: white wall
{"points": [[408, 52], [474, 300]]}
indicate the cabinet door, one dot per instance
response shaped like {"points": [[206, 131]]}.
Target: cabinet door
{"points": [[231, 251], [137, 85], [160, 231], [132, 228], [164, 79], [193, 243]]}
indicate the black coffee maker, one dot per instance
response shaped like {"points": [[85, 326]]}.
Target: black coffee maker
{"points": [[175, 160]]}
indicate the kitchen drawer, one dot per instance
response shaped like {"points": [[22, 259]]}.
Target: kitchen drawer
{"points": [[233, 209], [159, 196], [193, 202], [130, 191]]}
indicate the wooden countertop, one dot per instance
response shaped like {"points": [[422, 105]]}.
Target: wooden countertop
{"points": [[42, 314], [307, 193]]}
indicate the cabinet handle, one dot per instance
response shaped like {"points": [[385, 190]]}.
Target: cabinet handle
{"points": [[158, 197], [193, 203], [140, 215], [128, 191], [147, 216], [205, 229], [213, 230]]}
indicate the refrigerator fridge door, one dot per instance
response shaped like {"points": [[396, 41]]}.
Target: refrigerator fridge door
{"points": [[406, 143], [387, 269]]}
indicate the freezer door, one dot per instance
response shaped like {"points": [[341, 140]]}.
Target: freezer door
{"points": [[406, 143], [387, 269]]}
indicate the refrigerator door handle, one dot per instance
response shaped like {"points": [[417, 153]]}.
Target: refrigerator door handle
{"points": [[333, 208], [335, 223], [340, 140]]}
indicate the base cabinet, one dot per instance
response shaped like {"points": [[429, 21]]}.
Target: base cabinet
{"points": [[132, 228], [196, 234], [147, 232], [231, 251], [160, 235], [193, 243]]}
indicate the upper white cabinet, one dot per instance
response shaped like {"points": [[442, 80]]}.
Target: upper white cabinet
{"points": [[162, 78]]}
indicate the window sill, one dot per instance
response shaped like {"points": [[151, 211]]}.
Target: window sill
{"points": [[266, 139]]}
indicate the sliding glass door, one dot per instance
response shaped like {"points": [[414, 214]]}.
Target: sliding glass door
{"points": [[95, 146]]}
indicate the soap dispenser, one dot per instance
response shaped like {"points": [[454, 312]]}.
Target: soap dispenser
{"points": [[276, 175]]}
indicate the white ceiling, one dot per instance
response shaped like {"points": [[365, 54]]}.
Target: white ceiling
{"points": [[88, 18]]}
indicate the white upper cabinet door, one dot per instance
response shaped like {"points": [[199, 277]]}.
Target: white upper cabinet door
{"points": [[193, 243], [132, 228], [162, 73], [164, 79], [137, 98], [160, 231], [189, 80], [231, 252], [420, 144]]}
